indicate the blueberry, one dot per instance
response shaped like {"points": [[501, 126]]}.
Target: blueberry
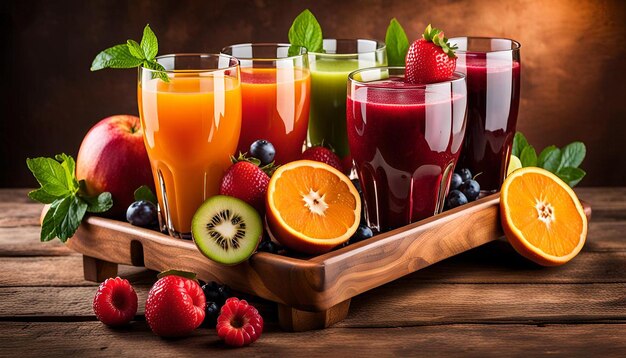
{"points": [[362, 232], [263, 151], [470, 189], [268, 246], [212, 312], [465, 174], [142, 213], [456, 181], [455, 198], [214, 292]]}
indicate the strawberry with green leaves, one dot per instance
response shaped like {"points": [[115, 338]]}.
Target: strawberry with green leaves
{"points": [[247, 180], [430, 59]]}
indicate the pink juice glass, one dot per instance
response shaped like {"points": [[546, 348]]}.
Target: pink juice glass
{"points": [[405, 140], [492, 69]]}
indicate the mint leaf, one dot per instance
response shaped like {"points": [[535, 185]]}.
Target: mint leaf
{"points": [[149, 43], [118, 56], [397, 43], [50, 174], [135, 49], [549, 158], [98, 204], [41, 196], [144, 193], [69, 165], [519, 143], [571, 175], [305, 31], [528, 157], [572, 155], [48, 229], [68, 216], [159, 70]]}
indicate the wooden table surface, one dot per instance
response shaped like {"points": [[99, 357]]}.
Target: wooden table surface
{"points": [[486, 302]]}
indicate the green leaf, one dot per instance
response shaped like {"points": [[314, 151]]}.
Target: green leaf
{"points": [[397, 43], [159, 70], [68, 215], [50, 174], [519, 143], [144, 193], [100, 203], [572, 155], [118, 56], [528, 157], [42, 196], [149, 43], [549, 158], [306, 32], [135, 49], [571, 175], [68, 163], [48, 229]]}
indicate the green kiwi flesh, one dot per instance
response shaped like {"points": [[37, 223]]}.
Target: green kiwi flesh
{"points": [[226, 229]]}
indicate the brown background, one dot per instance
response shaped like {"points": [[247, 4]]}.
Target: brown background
{"points": [[573, 57]]}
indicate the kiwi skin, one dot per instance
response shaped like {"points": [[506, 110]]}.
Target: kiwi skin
{"points": [[210, 210]]}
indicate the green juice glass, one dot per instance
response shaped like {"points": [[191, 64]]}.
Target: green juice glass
{"points": [[329, 77]]}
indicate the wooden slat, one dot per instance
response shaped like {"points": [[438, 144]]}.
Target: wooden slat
{"points": [[24, 241], [92, 339], [17, 214], [392, 305]]}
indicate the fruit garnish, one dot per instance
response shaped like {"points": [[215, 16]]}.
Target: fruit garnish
{"points": [[142, 213], [239, 323], [514, 164], [132, 54], [312, 207], [542, 217], [564, 162], [397, 43], [226, 230], [263, 150], [323, 155], [66, 195], [175, 306], [430, 59], [115, 303], [247, 180], [211, 313], [455, 198], [305, 32], [471, 189]]}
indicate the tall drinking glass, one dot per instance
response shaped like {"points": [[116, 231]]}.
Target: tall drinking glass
{"points": [[191, 126], [405, 140], [492, 69], [329, 75], [275, 91]]}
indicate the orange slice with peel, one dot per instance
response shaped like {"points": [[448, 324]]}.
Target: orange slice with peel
{"points": [[312, 207], [542, 216]]}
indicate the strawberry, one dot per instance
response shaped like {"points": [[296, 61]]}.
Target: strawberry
{"points": [[239, 323], [324, 155], [247, 181], [175, 306], [115, 302], [430, 59]]}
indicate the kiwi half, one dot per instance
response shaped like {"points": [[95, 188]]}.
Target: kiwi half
{"points": [[226, 229]]}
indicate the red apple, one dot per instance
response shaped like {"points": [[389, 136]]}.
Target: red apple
{"points": [[113, 158]]}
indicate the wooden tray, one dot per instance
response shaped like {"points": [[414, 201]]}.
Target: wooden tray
{"points": [[313, 292]]}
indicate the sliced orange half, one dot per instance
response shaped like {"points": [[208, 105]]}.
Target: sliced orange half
{"points": [[542, 216], [312, 207]]}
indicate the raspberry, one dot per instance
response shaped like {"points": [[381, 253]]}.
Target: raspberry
{"points": [[239, 323], [115, 303], [175, 306]]}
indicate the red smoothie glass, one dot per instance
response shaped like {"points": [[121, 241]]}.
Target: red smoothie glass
{"points": [[405, 140], [492, 70]]}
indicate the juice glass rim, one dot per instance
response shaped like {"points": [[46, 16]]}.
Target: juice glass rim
{"points": [[456, 77], [303, 51], [381, 46], [232, 66], [517, 45]]}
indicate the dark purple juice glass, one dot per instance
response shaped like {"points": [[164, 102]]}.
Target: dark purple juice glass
{"points": [[492, 69], [405, 141]]}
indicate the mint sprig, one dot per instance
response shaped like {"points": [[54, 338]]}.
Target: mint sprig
{"points": [[397, 43], [132, 55], [305, 32], [144, 193], [564, 162], [65, 194]]}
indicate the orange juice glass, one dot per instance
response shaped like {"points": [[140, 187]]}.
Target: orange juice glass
{"points": [[191, 127], [275, 92]]}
